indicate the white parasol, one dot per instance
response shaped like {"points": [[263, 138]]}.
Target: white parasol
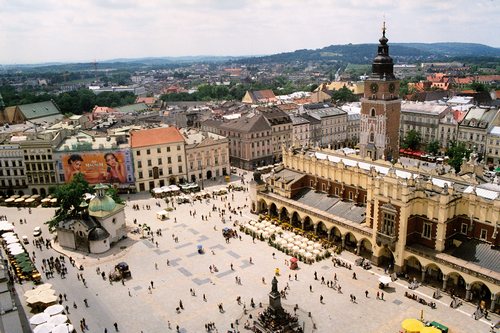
{"points": [[384, 279], [16, 251], [44, 286], [39, 318], [309, 248], [296, 248], [315, 251], [54, 310], [12, 240], [44, 328], [317, 246], [8, 234], [31, 293], [310, 242], [58, 319], [63, 328]]}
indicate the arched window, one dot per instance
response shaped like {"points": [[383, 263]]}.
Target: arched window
{"points": [[372, 137], [372, 112]]}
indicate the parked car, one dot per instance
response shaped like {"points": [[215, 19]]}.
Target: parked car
{"points": [[37, 232]]}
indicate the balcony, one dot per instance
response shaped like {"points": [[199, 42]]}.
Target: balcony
{"points": [[384, 239]]}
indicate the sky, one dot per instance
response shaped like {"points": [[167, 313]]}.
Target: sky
{"points": [[37, 31]]}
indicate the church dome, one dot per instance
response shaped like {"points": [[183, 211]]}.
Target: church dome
{"points": [[104, 203], [98, 234]]}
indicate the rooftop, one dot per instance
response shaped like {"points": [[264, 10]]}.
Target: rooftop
{"points": [[155, 136], [424, 108]]}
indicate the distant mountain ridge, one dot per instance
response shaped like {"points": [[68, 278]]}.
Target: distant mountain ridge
{"points": [[347, 53], [363, 53]]}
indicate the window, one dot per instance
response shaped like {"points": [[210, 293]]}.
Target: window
{"points": [[150, 173], [139, 164], [169, 160], [426, 233], [178, 147], [169, 170], [323, 187], [372, 137], [159, 161], [180, 168], [179, 158], [168, 149], [148, 151], [464, 228], [388, 224], [336, 191], [150, 163], [138, 153], [351, 196], [140, 174], [158, 150], [484, 234]]}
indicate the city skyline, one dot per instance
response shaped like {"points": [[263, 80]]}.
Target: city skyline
{"points": [[52, 31]]}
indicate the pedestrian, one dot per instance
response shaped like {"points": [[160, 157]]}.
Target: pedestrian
{"points": [[156, 266], [310, 288], [204, 298], [152, 287], [321, 299], [366, 293], [116, 326], [295, 277], [378, 295], [129, 293], [180, 305], [382, 295]]}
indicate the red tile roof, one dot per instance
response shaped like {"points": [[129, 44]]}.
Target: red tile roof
{"points": [[155, 136]]}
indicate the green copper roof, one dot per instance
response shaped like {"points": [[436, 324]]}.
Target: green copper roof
{"points": [[105, 203], [39, 110]]}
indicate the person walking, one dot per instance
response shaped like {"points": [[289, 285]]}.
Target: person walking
{"points": [[116, 327]]}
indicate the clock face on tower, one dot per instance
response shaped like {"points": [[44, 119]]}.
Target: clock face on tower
{"points": [[392, 87], [374, 88]]}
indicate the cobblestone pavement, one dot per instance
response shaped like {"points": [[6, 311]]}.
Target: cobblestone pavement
{"points": [[137, 309]]}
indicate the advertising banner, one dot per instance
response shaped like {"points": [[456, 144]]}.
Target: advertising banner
{"points": [[99, 167]]}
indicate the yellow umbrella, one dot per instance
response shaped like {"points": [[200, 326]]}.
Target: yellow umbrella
{"points": [[430, 330], [411, 325]]}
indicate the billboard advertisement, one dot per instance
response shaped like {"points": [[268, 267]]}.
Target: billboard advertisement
{"points": [[99, 167]]}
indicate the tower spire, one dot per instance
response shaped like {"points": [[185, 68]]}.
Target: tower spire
{"points": [[383, 29]]}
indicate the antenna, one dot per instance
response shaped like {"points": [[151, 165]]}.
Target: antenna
{"points": [[383, 27]]}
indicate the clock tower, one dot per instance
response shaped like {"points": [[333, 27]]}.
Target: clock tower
{"points": [[380, 108]]}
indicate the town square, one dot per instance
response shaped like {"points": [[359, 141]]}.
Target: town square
{"points": [[174, 287]]}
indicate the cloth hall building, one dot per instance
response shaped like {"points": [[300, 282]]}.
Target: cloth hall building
{"points": [[434, 226]]}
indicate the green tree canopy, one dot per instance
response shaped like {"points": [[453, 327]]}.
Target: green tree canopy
{"points": [[432, 147], [343, 95], [456, 152], [69, 197], [412, 140]]}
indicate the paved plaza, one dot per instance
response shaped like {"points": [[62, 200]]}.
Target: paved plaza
{"points": [[136, 308]]}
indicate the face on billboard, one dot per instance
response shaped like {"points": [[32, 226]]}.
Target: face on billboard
{"points": [[102, 167]]}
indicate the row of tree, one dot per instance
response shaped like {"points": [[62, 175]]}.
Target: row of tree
{"points": [[235, 92], [456, 151], [73, 102]]}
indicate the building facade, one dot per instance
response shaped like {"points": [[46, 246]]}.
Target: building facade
{"points": [[473, 129], [207, 155], [333, 124], [404, 219], [159, 157], [423, 118], [12, 169], [300, 136]]}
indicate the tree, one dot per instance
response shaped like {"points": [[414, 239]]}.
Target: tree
{"points": [[69, 196], [343, 95], [412, 140], [432, 147], [457, 152]]}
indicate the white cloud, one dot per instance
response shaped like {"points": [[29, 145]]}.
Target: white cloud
{"points": [[82, 30]]}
